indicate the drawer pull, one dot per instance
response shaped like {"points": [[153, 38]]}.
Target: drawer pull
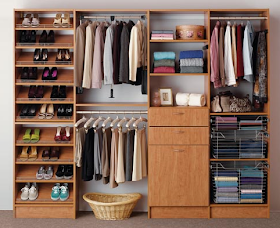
{"points": [[178, 113], [178, 150], [179, 132]]}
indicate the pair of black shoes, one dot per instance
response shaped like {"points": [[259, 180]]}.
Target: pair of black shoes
{"points": [[65, 110], [27, 36], [40, 55], [64, 172], [29, 73], [28, 111], [58, 92], [47, 38]]}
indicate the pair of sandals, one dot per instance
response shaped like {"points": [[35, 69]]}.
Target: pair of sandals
{"points": [[61, 21], [46, 112], [31, 138], [28, 153], [30, 21], [62, 135]]}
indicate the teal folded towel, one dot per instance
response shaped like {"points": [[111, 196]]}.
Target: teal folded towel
{"points": [[226, 183], [164, 55], [251, 173]]}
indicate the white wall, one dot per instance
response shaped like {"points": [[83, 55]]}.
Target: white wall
{"points": [[6, 72]]}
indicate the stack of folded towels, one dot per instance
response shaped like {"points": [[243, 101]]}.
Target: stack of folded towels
{"points": [[226, 186], [191, 61], [251, 185], [162, 35], [164, 62]]}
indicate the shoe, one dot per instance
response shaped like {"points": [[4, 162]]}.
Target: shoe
{"points": [[32, 91], [54, 154], [68, 174], [50, 38], [46, 74], [67, 56], [32, 73], [43, 37], [39, 92], [61, 110], [54, 73], [40, 173], [32, 111], [44, 56], [27, 20], [58, 135], [24, 153], [37, 55], [59, 56], [57, 21], [49, 173], [55, 192], [25, 192], [50, 112], [46, 154], [54, 94], [64, 192], [33, 192], [22, 36], [69, 110], [32, 36], [24, 73], [66, 20], [62, 92], [66, 135], [35, 20], [24, 111], [60, 172], [33, 154]]}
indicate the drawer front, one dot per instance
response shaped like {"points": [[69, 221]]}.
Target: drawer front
{"points": [[179, 212], [44, 212], [239, 212], [178, 135], [179, 117]]}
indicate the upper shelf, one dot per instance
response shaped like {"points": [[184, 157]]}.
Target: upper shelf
{"points": [[124, 104], [238, 113], [179, 41], [177, 74]]}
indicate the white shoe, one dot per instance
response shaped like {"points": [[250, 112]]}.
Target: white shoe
{"points": [[33, 192], [25, 192]]}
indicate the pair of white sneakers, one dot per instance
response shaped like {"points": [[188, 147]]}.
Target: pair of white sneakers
{"points": [[29, 193]]}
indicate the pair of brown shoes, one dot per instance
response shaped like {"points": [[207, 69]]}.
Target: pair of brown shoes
{"points": [[50, 154]]}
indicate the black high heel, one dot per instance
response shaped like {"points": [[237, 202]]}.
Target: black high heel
{"points": [[22, 36], [50, 38], [43, 37], [62, 92], [37, 55], [33, 36], [44, 56]]}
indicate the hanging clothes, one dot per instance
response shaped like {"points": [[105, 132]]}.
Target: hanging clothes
{"points": [[88, 156], [228, 62], [106, 154], [129, 154], [97, 66], [117, 52], [80, 139], [221, 55], [89, 50], [214, 56], [120, 174], [114, 156], [240, 35], [108, 55], [234, 50], [79, 53], [247, 52], [97, 153]]}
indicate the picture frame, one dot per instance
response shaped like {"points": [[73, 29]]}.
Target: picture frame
{"points": [[166, 96]]}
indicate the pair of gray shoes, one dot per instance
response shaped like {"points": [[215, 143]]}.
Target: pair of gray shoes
{"points": [[43, 173]]}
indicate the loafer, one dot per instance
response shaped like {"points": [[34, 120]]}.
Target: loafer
{"points": [[32, 110], [24, 111]]}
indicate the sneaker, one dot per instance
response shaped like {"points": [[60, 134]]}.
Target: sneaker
{"points": [[55, 192], [33, 192], [68, 174], [60, 172], [40, 173], [25, 192], [49, 173], [64, 192]]}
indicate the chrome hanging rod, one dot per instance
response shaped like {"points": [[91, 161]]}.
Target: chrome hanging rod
{"points": [[120, 17], [238, 18], [112, 112]]}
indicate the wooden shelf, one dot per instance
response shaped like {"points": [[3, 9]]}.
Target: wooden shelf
{"points": [[26, 60], [44, 196], [22, 97], [238, 113], [182, 107], [179, 41], [112, 104], [46, 138], [61, 42], [27, 173], [238, 159], [239, 205], [177, 74], [65, 158], [64, 77]]}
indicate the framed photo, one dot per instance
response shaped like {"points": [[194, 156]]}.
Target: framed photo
{"points": [[166, 96]]}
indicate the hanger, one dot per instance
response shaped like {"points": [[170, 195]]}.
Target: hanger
{"points": [[141, 119], [115, 121], [109, 119], [100, 118], [87, 124], [123, 120], [84, 119], [130, 122]]}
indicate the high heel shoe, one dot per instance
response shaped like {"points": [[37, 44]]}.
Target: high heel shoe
{"points": [[67, 56], [32, 73], [58, 136], [54, 73], [46, 74], [22, 36], [50, 112], [44, 56], [66, 135], [24, 73], [33, 36], [59, 56], [32, 91], [42, 112], [50, 38], [40, 92], [62, 92], [61, 110], [37, 55], [54, 94], [43, 37], [69, 110]]}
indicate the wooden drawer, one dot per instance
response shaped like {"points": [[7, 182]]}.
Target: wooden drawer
{"points": [[179, 212], [179, 135], [239, 212], [179, 117]]}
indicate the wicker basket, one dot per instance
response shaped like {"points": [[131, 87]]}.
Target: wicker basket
{"points": [[112, 206], [189, 32]]}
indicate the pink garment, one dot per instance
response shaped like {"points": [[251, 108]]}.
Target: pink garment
{"points": [[162, 35], [214, 56], [164, 70]]}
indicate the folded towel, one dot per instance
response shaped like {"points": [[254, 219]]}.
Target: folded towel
{"points": [[162, 35], [191, 54], [226, 173], [226, 184], [164, 55], [192, 62], [191, 69], [227, 189], [251, 196], [197, 100], [162, 38], [182, 99], [164, 63], [251, 186], [251, 173], [251, 201], [164, 70], [226, 200], [226, 178], [162, 31], [229, 195], [248, 191]]}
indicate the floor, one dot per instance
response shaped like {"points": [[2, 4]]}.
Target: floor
{"points": [[138, 220]]}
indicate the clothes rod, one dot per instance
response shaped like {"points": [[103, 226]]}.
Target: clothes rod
{"points": [[112, 112], [238, 18], [120, 17]]}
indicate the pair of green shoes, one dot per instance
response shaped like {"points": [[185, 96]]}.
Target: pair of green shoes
{"points": [[33, 138]]}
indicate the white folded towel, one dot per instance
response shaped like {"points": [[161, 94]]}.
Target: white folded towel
{"points": [[182, 99], [197, 100]]}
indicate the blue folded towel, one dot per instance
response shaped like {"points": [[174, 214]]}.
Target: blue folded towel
{"points": [[164, 55], [252, 173], [251, 196], [226, 183], [191, 54]]}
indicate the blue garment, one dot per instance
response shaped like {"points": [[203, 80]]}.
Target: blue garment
{"points": [[226, 200], [191, 54], [226, 183], [251, 196], [164, 55], [251, 173], [226, 173]]}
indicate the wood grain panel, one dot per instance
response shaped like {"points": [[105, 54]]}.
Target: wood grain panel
{"points": [[179, 212], [179, 135], [239, 212], [44, 212], [178, 176]]}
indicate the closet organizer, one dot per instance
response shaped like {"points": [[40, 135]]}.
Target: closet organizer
{"points": [[200, 164]]}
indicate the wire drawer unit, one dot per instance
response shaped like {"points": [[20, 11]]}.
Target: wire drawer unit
{"points": [[239, 137]]}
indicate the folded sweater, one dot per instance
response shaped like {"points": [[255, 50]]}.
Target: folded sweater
{"points": [[192, 62], [164, 62], [162, 31], [191, 69], [164, 55], [191, 54], [164, 70]]}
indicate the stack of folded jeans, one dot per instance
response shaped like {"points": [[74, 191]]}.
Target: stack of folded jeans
{"points": [[226, 183], [251, 185], [164, 62], [191, 61]]}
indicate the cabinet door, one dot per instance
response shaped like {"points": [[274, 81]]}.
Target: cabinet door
{"points": [[178, 176]]}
